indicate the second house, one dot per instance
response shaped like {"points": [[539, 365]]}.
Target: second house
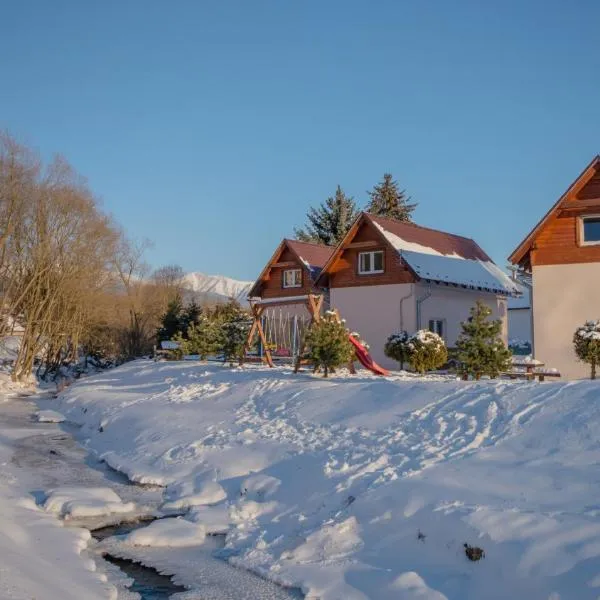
{"points": [[388, 276]]}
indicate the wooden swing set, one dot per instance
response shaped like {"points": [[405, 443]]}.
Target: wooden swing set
{"points": [[314, 304]]}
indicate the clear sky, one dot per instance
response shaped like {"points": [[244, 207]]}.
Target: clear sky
{"points": [[211, 127]]}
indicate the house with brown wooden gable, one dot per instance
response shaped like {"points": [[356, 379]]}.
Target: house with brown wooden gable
{"points": [[388, 276], [562, 256], [292, 271], [283, 292]]}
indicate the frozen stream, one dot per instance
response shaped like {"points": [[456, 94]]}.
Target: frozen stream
{"points": [[53, 458]]}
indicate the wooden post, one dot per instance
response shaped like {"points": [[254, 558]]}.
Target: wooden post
{"points": [[314, 304], [263, 339], [257, 311]]}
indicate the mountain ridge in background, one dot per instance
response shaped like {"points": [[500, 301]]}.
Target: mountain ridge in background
{"points": [[216, 289]]}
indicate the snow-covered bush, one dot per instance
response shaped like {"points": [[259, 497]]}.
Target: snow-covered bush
{"points": [[586, 341], [396, 347], [426, 351], [328, 343], [479, 347]]}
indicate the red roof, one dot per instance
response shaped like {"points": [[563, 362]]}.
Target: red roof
{"points": [[445, 243], [316, 255]]}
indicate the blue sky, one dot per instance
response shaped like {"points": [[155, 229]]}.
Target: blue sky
{"points": [[211, 127]]}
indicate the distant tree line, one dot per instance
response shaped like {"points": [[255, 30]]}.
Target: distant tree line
{"points": [[329, 222]]}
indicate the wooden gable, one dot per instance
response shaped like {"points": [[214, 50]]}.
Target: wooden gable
{"points": [[270, 283], [556, 238], [342, 269]]}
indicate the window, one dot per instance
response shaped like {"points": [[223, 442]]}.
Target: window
{"points": [[292, 278], [370, 262], [590, 230], [437, 326]]}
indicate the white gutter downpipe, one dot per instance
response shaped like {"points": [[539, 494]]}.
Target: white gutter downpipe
{"points": [[402, 300], [420, 302]]}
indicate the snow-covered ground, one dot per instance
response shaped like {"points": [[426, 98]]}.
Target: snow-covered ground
{"points": [[362, 487], [52, 492]]}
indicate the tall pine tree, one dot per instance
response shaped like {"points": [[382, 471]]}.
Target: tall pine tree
{"points": [[388, 200], [190, 316], [330, 222], [171, 320]]}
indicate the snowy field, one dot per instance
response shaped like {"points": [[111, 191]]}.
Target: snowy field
{"points": [[360, 487]]}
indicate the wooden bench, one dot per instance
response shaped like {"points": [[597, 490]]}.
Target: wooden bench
{"points": [[531, 375]]}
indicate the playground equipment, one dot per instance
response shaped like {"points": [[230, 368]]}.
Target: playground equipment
{"points": [[281, 335], [365, 359]]}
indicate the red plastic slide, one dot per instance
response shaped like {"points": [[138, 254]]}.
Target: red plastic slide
{"points": [[365, 359]]}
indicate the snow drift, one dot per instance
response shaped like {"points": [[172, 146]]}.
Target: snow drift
{"points": [[358, 487]]}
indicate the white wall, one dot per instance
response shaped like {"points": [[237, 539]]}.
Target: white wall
{"points": [[374, 312], [452, 305], [519, 324], [564, 297]]}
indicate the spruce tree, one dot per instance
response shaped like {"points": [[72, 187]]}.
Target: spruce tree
{"points": [[228, 310], [587, 345], [171, 321], [480, 349], [328, 344], [234, 334], [388, 200], [201, 337], [190, 315], [330, 222]]}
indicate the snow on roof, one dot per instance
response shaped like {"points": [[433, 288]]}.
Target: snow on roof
{"points": [[408, 236], [314, 271], [523, 301], [460, 271], [401, 244], [276, 300]]}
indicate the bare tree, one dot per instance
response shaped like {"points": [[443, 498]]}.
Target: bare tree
{"points": [[67, 272], [62, 250]]}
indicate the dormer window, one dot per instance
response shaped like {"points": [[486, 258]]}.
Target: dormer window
{"points": [[590, 230], [292, 278], [370, 263]]}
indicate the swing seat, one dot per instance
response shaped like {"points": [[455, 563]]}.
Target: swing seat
{"points": [[282, 352]]}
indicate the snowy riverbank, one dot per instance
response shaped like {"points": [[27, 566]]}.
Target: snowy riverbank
{"points": [[361, 487], [41, 559], [52, 493]]}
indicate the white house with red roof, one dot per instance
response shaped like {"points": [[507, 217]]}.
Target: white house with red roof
{"points": [[388, 276]]}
